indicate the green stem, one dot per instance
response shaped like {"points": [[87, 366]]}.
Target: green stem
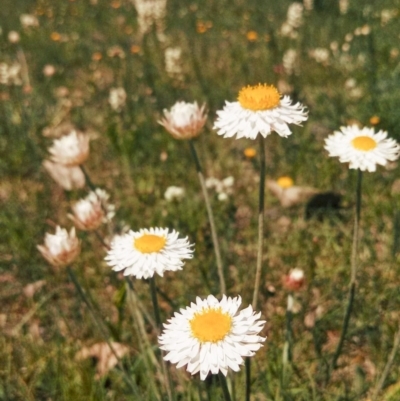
{"points": [[248, 379], [388, 366], [260, 222], [210, 218], [157, 316], [101, 328], [353, 277], [224, 386]]}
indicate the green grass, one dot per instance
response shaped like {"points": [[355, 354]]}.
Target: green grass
{"points": [[40, 336]]}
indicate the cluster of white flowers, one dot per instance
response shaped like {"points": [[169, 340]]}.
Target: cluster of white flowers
{"points": [[174, 193], [173, 62], [223, 188], [10, 74], [117, 98], [294, 19], [151, 12], [320, 55]]}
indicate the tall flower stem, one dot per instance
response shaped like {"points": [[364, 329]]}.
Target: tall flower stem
{"points": [[101, 328], [388, 366], [353, 277], [224, 386], [287, 348], [261, 201], [210, 218], [157, 316]]}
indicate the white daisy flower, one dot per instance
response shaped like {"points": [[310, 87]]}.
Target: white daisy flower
{"points": [[362, 148], [259, 110], [148, 251], [212, 336]]}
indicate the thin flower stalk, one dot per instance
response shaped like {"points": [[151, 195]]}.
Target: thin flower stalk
{"points": [[101, 328], [210, 218], [224, 386], [168, 380], [388, 366], [353, 277]]}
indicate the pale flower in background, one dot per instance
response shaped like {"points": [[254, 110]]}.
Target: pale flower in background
{"points": [[295, 280], [13, 37], [61, 248], [343, 6], [173, 62], [104, 356], [259, 110], [212, 336], [151, 12], [289, 61], [10, 74], [117, 98], [66, 177], [320, 55], [49, 70], [295, 15], [362, 148], [308, 4], [71, 149], [174, 193], [184, 120], [148, 251], [289, 194], [28, 20], [222, 187]]}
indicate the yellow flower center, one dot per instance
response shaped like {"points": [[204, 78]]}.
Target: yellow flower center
{"points": [[364, 143], [149, 243], [285, 182], [259, 97], [210, 325]]}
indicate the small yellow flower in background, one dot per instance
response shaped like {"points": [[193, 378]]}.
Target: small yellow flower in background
{"points": [[97, 56], [211, 336], [115, 4], [374, 120], [252, 36], [61, 248], [201, 27], [55, 36], [135, 49], [250, 153], [259, 110], [148, 251], [362, 148], [184, 120], [285, 182]]}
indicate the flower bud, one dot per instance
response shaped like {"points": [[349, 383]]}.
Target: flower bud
{"points": [[294, 281]]}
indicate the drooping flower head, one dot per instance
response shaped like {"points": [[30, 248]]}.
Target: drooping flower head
{"points": [[71, 149], [362, 147], [211, 336], [184, 120], [61, 248], [67, 177], [259, 110], [148, 251]]}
